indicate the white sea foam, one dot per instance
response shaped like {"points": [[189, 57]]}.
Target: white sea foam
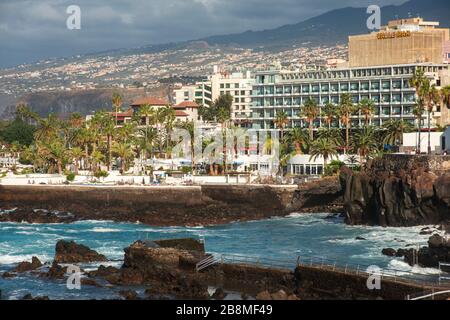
{"points": [[404, 268], [11, 259], [105, 230]]}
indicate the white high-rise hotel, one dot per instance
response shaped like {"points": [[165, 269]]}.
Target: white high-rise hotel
{"points": [[395, 52]]}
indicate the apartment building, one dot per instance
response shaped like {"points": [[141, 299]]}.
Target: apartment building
{"points": [[237, 84], [387, 86]]}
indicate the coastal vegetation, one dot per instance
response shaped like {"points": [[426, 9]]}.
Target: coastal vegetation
{"points": [[98, 143]]}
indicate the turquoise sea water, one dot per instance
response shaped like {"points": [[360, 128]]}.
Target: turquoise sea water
{"points": [[280, 239]]}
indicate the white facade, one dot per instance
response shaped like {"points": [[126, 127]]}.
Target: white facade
{"points": [[445, 141], [410, 142]]}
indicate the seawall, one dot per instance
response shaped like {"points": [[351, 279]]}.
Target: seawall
{"points": [[171, 205]]}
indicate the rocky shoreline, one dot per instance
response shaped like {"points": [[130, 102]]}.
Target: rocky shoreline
{"points": [[167, 206], [398, 190]]}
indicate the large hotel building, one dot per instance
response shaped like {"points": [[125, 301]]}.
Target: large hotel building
{"points": [[380, 67]]}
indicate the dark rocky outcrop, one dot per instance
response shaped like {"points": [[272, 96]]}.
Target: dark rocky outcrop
{"points": [[71, 252], [438, 250], [389, 252], [168, 206], [28, 266], [30, 297], [398, 190]]}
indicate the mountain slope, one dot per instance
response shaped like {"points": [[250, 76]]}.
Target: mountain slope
{"points": [[334, 26]]}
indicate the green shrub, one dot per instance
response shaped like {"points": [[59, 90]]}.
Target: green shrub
{"points": [[333, 168], [70, 177], [101, 174], [186, 170]]}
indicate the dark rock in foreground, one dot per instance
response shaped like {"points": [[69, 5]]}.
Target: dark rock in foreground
{"points": [[71, 252], [28, 266], [438, 250], [389, 252]]}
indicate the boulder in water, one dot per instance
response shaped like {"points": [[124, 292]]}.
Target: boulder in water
{"points": [[71, 252], [28, 266]]}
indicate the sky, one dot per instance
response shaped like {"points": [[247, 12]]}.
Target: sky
{"points": [[31, 30]]}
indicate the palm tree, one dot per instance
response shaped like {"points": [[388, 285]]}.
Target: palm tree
{"points": [[333, 134], [431, 98], [310, 112], [125, 152], [364, 143], [300, 138], [346, 109], [325, 148], [418, 81], [76, 154], [190, 127], [148, 113], [57, 153], [367, 108], [117, 103], [281, 121], [394, 130], [47, 129], [445, 96], [418, 114], [329, 113]]}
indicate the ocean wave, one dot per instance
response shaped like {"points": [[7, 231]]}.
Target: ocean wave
{"points": [[12, 259], [105, 230], [403, 268]]}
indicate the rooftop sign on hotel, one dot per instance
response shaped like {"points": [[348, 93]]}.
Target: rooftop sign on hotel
{"points": [[391, 35]]}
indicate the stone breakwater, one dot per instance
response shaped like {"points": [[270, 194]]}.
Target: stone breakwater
{"points": [[166, 206], [398, 190]]}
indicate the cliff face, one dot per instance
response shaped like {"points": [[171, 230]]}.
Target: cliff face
{"points": [[398, 190]]}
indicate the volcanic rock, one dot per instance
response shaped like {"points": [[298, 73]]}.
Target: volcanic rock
{"points": [[129, 294], [71, 252], [219, 294], [28, 266], [389, 252]]}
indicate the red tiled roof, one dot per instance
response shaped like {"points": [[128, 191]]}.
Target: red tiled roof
{"points": [[179, 113], [128, 113], [187, 104], [150, 101]]}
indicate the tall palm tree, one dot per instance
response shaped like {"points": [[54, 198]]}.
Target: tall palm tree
{"points": [[76, 154], [125, 152], [333, 134], [117, 104], [431, 98], [48, 128], [445, 96], [322, 147], [418, 81], [346, 109], [367, 108], [281, 121], [148, 113], [299, 138], [329, 113], [364, 142], [310, 112], [418, 114], [394, 130]]}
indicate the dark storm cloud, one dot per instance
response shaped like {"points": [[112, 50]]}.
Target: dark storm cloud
{"points": [[34, 29]]}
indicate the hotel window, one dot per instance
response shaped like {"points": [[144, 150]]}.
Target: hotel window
{"points": [[355, 99], [325, 88], [407, 110], [386, 98], [396, 84], [325, 100], [315, 88], [364, 97], [386, 111], [269, 90], [396, 98], [242, 93], [386, 85], [297, 89], [377, 111], [287, 90], [279, 101], [279, 90], [376, 98], [297, 101], [335, 99], [288, 102], [227, 86], [375, 86], [334, 87], [236, 85], [354, 86], [396, 111], [410, 97], [365, 86], [236, 93], [222, 86], [344, 87], [305, 89]]}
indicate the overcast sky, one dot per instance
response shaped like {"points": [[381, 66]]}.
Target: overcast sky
{"points": [[36, 29]]}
